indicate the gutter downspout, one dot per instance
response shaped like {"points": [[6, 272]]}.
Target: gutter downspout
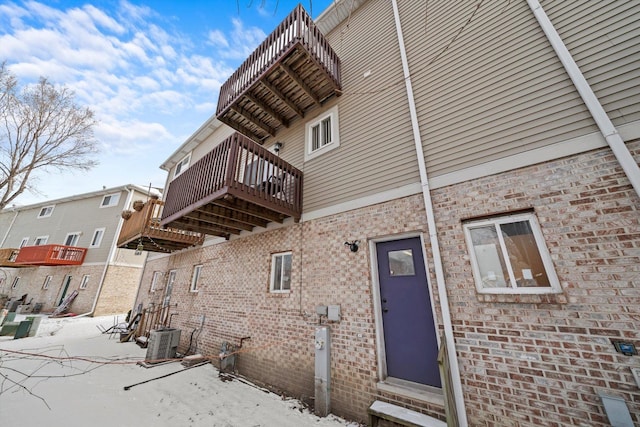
{"points": [[4, 239], [606, 127], [433, 234], [112, 252]]}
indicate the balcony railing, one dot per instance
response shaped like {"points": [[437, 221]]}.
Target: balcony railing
{"points": [[51, 255], [142, 231], [235, 187], [293, 70], [8, 257]]}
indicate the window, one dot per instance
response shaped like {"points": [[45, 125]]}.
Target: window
{"points": [[85, 282], [41, 240], [46, 211], [508, 255], [72, 239], [281, 272], [182, 165], [322, 134], [110, 200], [15, 282], [24, 242], [195, 277], [97, 238], [45, 284], [155, 281]]}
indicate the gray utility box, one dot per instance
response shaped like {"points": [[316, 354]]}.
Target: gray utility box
{"points": [[163, 344]]}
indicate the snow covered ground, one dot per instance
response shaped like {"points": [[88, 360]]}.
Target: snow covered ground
{"points": [[57, 379]]}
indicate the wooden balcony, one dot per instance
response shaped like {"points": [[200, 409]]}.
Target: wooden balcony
{"points": [[293, 70], [8, 257], [237, 186], [51, 255], [143, 227]]}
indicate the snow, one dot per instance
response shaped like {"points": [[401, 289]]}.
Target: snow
{"points": [[75, 391]]}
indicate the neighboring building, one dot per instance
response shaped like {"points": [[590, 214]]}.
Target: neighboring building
{"points": [[481, 206], [51, 249]]}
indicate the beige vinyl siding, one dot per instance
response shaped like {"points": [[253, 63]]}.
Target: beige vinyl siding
{"points": [[376, 151], [488, 88], [604, 39]]}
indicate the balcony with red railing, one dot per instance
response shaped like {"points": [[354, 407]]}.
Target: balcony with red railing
{"points": [[142, 231], [293, 70], [8, 257], [235, 187], [50, 255]]}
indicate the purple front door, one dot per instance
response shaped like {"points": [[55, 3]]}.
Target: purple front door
{"points": [[410, 341]]}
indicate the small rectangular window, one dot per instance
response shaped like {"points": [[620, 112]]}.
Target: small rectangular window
{"points": [[508, 255], [110, 200], [322, 134], [281, 272], [155, 281], [182, 165], [85, 282], [24, 242], [14, 284], [96, 240], [47, 281], [41, 240], [197, 269], [72, 239], [46, 211]]}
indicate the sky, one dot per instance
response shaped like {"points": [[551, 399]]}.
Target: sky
{"points": [[150, 70]]}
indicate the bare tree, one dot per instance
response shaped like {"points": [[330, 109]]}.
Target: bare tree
{"points": [[41, 128]]}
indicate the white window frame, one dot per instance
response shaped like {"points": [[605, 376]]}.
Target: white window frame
{"points": [[275, 273], [512, 287], [46, 211], [332, 115], [98, 234], [195, 276], [41, 240], [15, 282], [47, 281], [24, 242], [75, 237], [155, 280], [182, 166], [111, 200], [85, 281]]}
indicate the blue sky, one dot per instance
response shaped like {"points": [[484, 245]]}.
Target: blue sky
{"points": [[151, 71]]}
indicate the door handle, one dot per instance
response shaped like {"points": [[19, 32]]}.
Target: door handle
{"points": [[385, 309], [384, 300]]}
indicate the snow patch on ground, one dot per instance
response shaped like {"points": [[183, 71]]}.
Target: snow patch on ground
{"points": [[70, 391]]}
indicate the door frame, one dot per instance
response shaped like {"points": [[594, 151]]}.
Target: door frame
{"points": [[377, 306]]}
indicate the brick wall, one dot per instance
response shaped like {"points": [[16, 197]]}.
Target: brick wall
{"points": [[533, 361], [525, 361], [118, 290]]}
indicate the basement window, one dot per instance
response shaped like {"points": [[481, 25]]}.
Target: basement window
{"points": [[197, 269], [321, 134], [15, 282], [47, 281], [281, 272], [155, 281], [509, 256], [85, 282]]}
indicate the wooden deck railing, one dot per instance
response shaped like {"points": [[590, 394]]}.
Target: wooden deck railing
{"points": [[51, 255], [8, 257], [298, 27], [146, 223], [240, 168]]}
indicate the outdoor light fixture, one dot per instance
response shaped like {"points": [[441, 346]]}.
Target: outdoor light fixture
{"points": [[139, 248], [353, 245], [277, 147]]}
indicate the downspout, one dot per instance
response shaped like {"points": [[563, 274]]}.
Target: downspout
{"points": [[606, 127], [433, 233], [112, 252], [4, 239]]}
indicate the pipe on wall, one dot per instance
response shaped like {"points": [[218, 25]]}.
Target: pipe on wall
{"points": [[433, 232]]}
